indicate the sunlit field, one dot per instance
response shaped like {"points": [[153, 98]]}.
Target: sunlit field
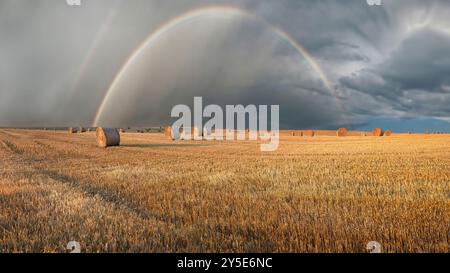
{"points": [[315, 194]]}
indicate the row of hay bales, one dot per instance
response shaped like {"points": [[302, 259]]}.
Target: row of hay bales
{"points": [[341, 132], [74, 130], [142, 130], [107, 137], [189, 133]]}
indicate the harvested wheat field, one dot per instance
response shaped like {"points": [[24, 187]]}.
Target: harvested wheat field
{"points": [[315, 194]]}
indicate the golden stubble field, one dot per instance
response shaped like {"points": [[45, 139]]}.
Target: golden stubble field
{"points": [[320, 194]]}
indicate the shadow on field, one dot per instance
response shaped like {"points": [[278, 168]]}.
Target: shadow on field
{"points": [[162, 145]]}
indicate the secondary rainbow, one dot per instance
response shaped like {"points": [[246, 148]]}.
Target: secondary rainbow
{"points": [[94, 47], [199, 13]]}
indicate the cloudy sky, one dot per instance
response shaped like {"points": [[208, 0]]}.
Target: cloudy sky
{"points": [[362, 66]]}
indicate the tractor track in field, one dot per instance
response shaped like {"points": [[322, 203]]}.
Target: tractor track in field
{"points": [[11, 147], [19, 158]]}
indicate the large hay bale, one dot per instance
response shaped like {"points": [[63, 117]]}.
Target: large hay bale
{"points": [[387, 133], [377, 132], [309, 133], [107, 137], [71, 130], [342, 132]]}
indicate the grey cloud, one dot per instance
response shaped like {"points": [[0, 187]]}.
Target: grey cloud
{"points": [[57, 61], [413, 78]]}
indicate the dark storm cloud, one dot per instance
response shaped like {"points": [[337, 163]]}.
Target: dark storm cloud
{"points": [[56, 61], [414, 79]]}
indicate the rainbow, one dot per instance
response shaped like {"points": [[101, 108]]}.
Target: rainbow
{"points": [[196, 14]]}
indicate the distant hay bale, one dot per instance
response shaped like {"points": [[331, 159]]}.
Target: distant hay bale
{"points": [[324, 132], [190, 133], [107, 137], [81, 130], [377, 132], [121, 130], [71, 130], [342, 132], [297, 133], [309, 133], [387, 133], [185, 134], [168, 132]]}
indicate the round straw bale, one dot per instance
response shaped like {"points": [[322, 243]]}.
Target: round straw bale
{"points": [[341, 132], [71, 130], [168, 132], [309, 133], [121, 130], [377, 132], [387, 133], [107, 137], [81, 130]]}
